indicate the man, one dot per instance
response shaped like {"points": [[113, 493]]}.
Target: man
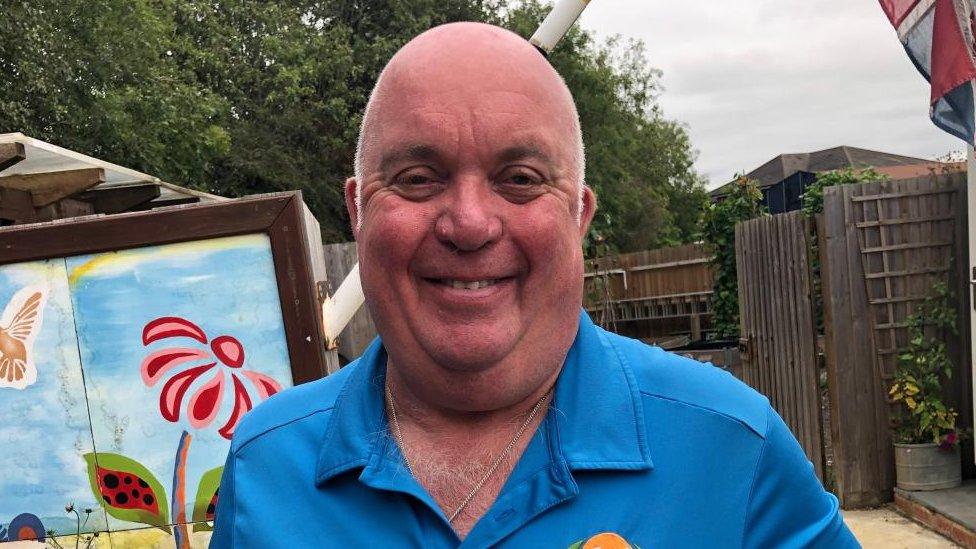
{"points": [[491, 412]]}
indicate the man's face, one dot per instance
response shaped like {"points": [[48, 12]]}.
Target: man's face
{"points": [[470, 238]]}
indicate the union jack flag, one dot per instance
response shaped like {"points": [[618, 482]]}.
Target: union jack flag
{"points": [[939, 36]]}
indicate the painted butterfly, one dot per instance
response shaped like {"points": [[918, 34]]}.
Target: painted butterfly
{"points": [[19, 325]]}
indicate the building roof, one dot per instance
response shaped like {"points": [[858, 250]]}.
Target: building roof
{"points": [[918, 170], [836, 158]]}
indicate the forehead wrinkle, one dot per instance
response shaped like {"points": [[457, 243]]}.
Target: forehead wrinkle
{"points": [[416, 152], [389, 134]]}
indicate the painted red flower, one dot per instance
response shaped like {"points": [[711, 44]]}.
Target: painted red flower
{"points": [[225, 354]]}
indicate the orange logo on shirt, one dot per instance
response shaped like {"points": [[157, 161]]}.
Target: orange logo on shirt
{"points": [[605, 540]]}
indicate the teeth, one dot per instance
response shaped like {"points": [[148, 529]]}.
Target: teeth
{"points": [[457, 284]]}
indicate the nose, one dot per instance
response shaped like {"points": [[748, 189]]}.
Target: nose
{"points": [[468, 221]]}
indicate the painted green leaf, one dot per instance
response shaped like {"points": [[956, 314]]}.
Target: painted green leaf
{"points": [[203, 513], [127, 489]]}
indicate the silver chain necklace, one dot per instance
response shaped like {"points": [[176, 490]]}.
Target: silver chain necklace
{"points": [[494, 466]]}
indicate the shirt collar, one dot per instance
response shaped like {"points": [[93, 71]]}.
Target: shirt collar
{"points": [[358, 423], [597, 409]]}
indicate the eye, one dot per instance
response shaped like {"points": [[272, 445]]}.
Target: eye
{"points": [[520, 177], [523, 179], [520, 184], [414, 179], [417, 183]]}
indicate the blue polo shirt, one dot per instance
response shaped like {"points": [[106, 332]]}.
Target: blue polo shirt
{"points": [[657, 449]]}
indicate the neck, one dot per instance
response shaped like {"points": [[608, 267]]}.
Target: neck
{"points": [[463, 458], [435, 416]]}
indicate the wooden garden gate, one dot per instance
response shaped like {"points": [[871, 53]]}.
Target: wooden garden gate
{"points": [[777, 323], [882, 245]]}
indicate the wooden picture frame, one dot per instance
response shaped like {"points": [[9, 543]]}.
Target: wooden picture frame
{"points": [[282, 216]]}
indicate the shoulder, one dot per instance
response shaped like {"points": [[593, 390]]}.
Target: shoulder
{"points": [[667, 376], [301, 403]]}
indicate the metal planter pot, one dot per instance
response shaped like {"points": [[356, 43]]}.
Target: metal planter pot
{"points": [[927, 467]]}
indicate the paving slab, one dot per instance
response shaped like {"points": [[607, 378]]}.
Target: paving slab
{"points": [[884, 528]]}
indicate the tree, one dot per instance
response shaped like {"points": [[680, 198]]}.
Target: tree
{"points": [[242, 97], [296, 76], [98, 76]]}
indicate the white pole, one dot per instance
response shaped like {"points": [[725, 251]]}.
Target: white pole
{"points": [[557, 24], [971, 272], [339, 308]]}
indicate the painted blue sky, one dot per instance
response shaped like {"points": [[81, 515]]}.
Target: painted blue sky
{"points": [[45, 428], [225, 286]]}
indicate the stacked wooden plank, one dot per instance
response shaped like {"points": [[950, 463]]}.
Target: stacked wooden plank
{"points": [[42, 182]]}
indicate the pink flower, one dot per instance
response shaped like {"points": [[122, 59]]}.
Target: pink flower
{"points": [[204, 403], [949, 440]]}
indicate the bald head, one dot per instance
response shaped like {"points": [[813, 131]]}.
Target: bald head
{"points": [[468, 59]]}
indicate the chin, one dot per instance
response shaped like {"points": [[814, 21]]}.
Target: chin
{"points": [[467, 358], [469, 354], [468, 344]]}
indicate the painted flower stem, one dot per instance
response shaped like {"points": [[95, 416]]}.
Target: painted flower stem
{"points": [[180, 531]]}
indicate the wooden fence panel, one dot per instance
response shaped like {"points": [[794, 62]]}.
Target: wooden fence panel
{"points": [[882, 245], [777, 320], [339, 260], [860, 441], [651, 273], [635, 293]]}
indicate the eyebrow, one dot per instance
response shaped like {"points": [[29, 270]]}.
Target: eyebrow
{"points": [[521, 152], [416, 152], [427, 153]]}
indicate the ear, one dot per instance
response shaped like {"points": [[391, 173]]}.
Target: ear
{"points": [[352, 206], [589, 210]]}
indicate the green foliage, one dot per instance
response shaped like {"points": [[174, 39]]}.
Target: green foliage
{"points": [[921, 371], [241, 97], [740, 204], [296, 76], [813, 196]]}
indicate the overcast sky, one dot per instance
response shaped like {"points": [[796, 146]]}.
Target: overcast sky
{"points": [[755, 78]]}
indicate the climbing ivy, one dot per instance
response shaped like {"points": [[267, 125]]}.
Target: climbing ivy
{"points": [[740, 204], [814, 193]]}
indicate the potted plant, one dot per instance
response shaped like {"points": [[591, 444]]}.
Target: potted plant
{"points": [[925, 434]]}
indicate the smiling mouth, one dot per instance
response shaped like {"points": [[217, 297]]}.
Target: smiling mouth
{"points": [[467, 284]]}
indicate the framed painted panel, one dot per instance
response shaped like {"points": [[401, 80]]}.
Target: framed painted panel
{"points": [[173, 324]]}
